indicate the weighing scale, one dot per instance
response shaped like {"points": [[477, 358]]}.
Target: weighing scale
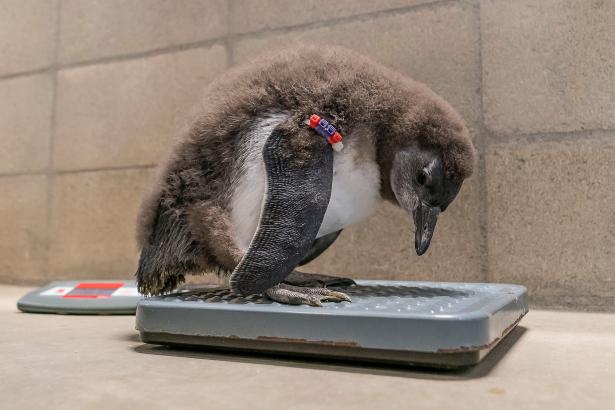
{"points": [[415, 323], [93, 297]]}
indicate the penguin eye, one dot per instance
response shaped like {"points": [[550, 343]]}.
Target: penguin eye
{"points": [[421, 177]]}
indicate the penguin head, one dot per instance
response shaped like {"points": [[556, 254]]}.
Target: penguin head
{"points": [[430, 155], [423, 188]]}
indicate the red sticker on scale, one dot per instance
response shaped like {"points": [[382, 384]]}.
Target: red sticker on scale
{"points": [[93, 290]]}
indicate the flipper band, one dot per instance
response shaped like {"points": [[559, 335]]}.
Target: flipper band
{"points": [[326, 130]]}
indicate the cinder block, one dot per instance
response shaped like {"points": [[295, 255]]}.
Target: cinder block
{"points": [[551, 223], [251, 15], [93, 219], [548, 65], [103, 28], [437, 46], [25, 123], [23, 249], [383, 247], [127, 113], [27, 34]]}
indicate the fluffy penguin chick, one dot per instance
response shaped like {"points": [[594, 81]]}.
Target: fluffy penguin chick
{"points": [[251, 190]]}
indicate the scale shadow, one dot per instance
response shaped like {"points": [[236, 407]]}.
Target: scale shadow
{"points": [[482, 369]]}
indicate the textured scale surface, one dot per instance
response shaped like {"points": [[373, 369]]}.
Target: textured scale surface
{"points": [[370, 296], [383, 317]]}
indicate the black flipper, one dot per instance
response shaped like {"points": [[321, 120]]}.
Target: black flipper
{"points": [[319, 246], [299, 167]]}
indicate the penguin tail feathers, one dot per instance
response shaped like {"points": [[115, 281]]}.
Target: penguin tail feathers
{"points": [[167, 256]]}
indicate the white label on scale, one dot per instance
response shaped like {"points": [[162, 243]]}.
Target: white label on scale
{"points": [[57, 291], [128, 291]]}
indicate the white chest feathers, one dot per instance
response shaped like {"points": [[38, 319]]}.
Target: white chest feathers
{"points": [[355, 193]]}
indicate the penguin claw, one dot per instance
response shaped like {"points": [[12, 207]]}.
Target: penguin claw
{"points": [[296, 295], [337, 297], [312, 301]]}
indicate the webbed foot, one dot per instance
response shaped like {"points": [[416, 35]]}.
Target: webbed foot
{"points": [[296, 295]]}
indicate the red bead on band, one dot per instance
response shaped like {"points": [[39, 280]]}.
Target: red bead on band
{"points": [[327, 130]]}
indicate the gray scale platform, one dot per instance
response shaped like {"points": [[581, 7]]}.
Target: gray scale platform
{"points": [[84, 297], [422, 323]]}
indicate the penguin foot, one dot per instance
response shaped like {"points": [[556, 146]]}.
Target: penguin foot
{"points": [[316, 280], [296, 295]]}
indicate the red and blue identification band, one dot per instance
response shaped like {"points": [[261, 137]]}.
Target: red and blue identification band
{"points": [[326, 130]]}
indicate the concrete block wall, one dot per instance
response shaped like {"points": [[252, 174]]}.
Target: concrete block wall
{"points": [[93, 91]]}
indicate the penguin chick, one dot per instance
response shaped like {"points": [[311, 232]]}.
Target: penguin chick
{"points": [[250, 190]]}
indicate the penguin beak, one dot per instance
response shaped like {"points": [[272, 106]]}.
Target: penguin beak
{"points": [[425, 218]]}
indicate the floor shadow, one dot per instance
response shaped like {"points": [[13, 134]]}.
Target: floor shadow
{"points": [[480, 370], [128, 337]]}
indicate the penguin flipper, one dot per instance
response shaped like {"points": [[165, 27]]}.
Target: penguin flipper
{"points": [[319, 246], [299, 167]]}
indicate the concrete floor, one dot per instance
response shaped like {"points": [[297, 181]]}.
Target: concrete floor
{"points": [[552, 360]]}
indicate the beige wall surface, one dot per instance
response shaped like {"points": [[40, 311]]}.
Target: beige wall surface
{"points": [[93, 91]]}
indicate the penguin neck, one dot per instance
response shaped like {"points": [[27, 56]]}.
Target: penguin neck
{"points": [[385, 154]]}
